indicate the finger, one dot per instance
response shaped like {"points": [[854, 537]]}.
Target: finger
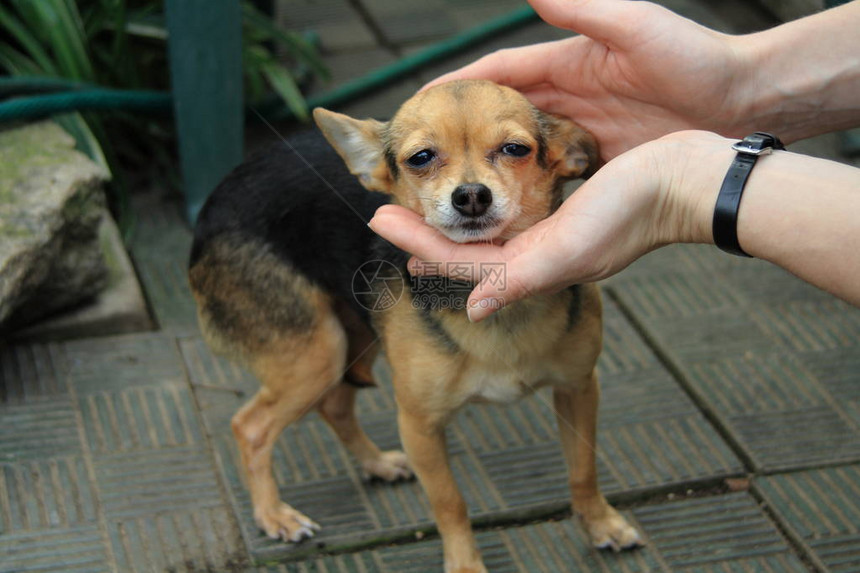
{"points": [[397, 210], [609, 22], [535, 270], [408, 231], [493, 294], [518, 68], [551, 99]]}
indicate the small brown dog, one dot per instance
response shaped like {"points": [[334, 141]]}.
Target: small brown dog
{"points": [[276, 252]]}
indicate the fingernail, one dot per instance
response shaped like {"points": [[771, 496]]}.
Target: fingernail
{"points": [[477, 311]]}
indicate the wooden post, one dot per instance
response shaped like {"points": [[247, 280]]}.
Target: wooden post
{"points": [[205, 55]]}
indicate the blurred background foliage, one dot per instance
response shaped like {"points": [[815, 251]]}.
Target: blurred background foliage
{"points": [[123, 44]]}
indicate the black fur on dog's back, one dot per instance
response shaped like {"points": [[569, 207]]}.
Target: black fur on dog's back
{"points": [[297, 200]]}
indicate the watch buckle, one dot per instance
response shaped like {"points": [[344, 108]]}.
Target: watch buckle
{"points": [[744, 147]]}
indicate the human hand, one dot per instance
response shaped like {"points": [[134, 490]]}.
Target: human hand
{"points": [[637, 72], [658, 193]]}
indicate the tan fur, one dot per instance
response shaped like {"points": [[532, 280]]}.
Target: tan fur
{"points": [[551, 340]]}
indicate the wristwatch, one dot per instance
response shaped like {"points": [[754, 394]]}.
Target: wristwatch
{"points": [[725, 224]]}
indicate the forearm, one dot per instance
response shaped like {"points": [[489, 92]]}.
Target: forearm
{"points": [[802, 78], [798, 212]]}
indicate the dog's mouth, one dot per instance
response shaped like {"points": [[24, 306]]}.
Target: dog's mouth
{"points": [[481, 229]]}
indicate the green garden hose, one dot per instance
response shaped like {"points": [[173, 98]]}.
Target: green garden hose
{"points": [[73, 96], [93, 99]]}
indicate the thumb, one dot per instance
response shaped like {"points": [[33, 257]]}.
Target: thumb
{"points": [[516, 280]]}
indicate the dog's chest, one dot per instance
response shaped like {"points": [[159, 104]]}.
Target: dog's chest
{"points": [[482, 384]]}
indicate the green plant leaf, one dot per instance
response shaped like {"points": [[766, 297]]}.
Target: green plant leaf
{"points": [[285, 86], [28, 41], [61, 25], [262, 25], [85, 140], [17, 63]]}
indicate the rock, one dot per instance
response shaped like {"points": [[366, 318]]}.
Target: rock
{"points": [[118, 309], [51, 207]]}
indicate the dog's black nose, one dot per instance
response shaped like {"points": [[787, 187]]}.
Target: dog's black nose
{"points": [[471, 199]]}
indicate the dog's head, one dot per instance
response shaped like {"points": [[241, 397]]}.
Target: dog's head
{"points": [[475, 159]]}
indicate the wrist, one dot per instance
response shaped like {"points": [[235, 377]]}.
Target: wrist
{"points": [[793, 87], [692, 166]]}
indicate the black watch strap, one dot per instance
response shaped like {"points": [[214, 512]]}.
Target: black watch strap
{"points": [[728, 201]]}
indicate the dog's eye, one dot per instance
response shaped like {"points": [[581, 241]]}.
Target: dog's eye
{"points": [[515, 149], [421, 158]]}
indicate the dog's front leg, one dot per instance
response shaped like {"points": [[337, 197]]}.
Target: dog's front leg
{"points": [[424, 442], [576, 413]]}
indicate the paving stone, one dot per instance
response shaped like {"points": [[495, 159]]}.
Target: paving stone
{"points": [[166, 282], [526, 35], [470, 13], [29, 372], [220, 385], [762, 365], [160, 250], [812, 326], [336, 22], [651, 437], [410, 21], [721, 533], [709, 336], [43, 494], [74, 550], [148, 482], [762, 283], [123, 362], [838, 370], [139, 418], [38, 430], [782, 415], [205, 539], [821, 509]]}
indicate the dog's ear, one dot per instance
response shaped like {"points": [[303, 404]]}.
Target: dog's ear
{"points": [[570, 150], [360, 144]]}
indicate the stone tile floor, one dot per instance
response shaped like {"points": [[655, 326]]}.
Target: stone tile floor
{"points": [[729, 432]]}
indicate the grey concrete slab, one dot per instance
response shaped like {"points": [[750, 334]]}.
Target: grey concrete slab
{"points": [[820, 509], [116, 454], [336, 23], [77, 550], [765, 354], [651, 438], [31, 371], [411, 21], [727, 532]]}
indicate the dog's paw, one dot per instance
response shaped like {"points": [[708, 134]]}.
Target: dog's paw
{"points": [[389, 466], [611, 531], [284, 522]]}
